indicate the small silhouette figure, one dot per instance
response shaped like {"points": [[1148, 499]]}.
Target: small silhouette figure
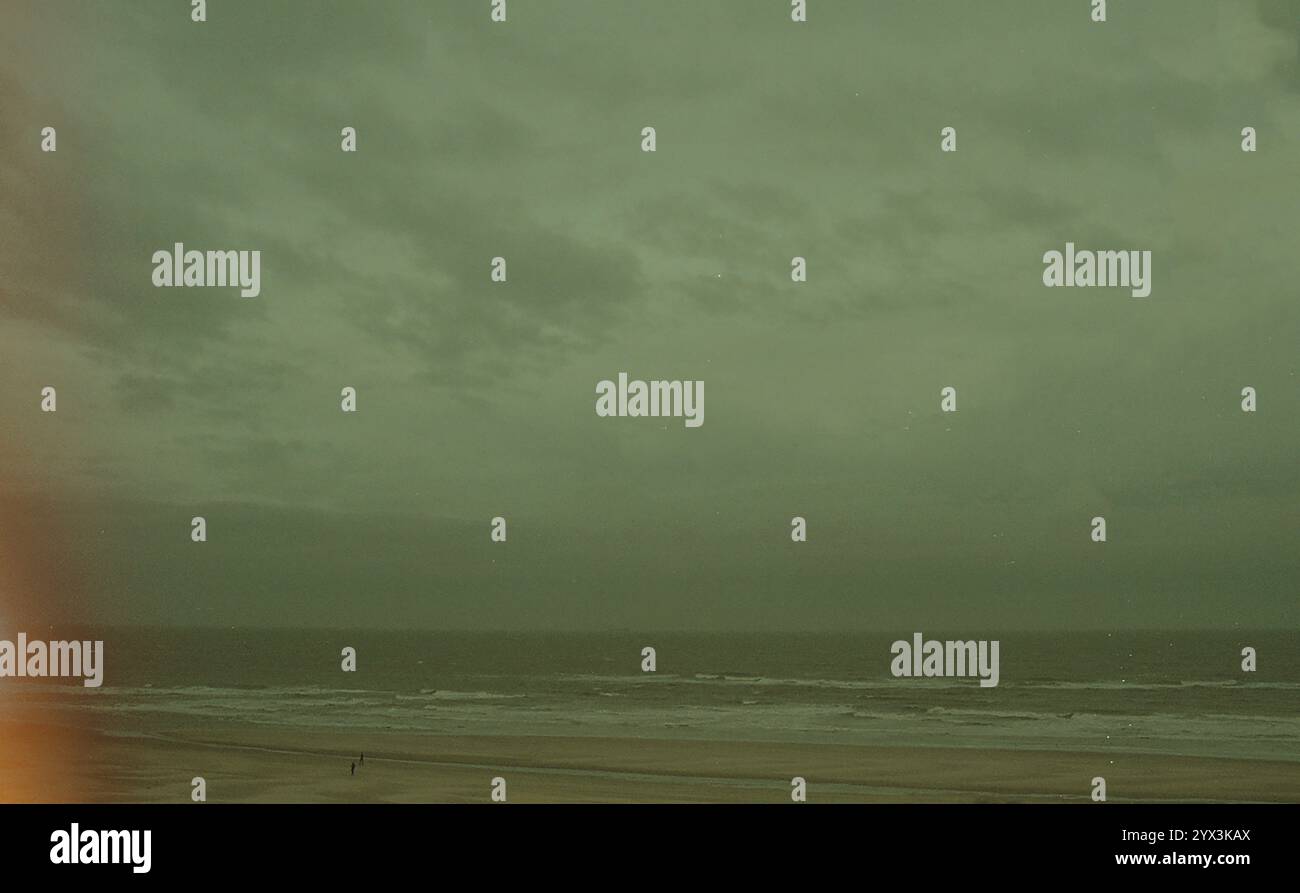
{"points": [[363, 759], [354, 768]]}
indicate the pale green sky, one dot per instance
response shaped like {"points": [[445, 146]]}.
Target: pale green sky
{"points": [[822, 399]]}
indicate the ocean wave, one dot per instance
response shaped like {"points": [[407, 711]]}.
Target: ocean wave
{"points": [[435, 694]]}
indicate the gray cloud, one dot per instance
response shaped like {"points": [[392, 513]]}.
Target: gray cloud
{"points": [[775, 140]]}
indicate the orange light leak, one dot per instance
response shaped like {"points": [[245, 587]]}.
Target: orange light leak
{"points": [[42, 752], [42, 755]]}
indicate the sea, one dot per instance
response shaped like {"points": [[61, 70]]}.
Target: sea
{"points": [[1153, 692]]}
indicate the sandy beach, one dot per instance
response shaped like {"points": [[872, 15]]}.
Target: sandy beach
{"points": [[247, 763]]}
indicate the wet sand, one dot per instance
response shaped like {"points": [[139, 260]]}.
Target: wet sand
{"points": [[251, 763]]}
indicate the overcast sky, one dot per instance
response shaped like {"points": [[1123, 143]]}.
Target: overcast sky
{"points": [[821, 399]]}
